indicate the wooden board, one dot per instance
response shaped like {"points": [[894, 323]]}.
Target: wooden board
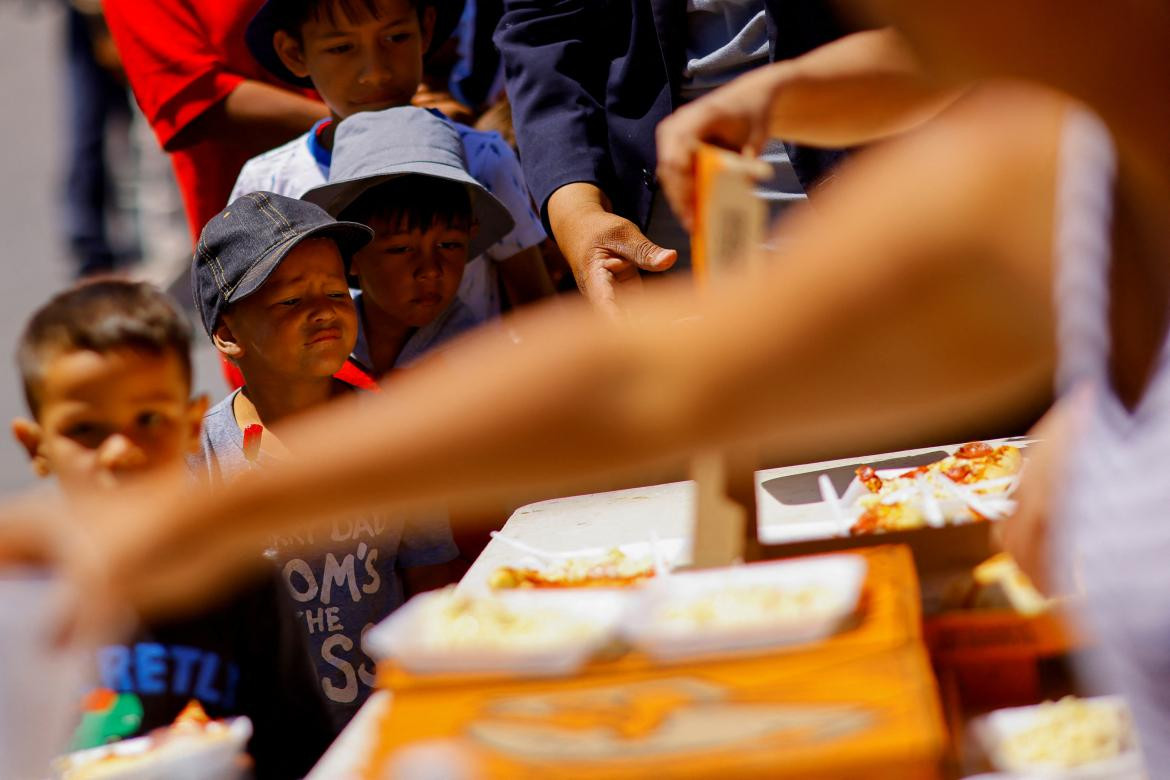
{"points": [[861, 704]]}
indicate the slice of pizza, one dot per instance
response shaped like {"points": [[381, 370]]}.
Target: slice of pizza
{"points": [[613, 570]]}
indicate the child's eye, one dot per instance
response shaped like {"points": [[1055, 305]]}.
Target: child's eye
{"points": [[289, 302], [451, 245], [340, 48], [150, 420], [401, 37], [339, 295], [399, 249], [87, 434]]}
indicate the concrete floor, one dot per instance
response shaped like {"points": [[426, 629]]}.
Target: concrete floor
{"points": [[31, 255]]}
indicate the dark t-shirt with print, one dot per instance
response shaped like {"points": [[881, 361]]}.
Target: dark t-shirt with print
{"points": [[245, 656], [343, 579]]}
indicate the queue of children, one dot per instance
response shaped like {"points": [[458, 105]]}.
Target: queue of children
{"points": [[354, 250]]}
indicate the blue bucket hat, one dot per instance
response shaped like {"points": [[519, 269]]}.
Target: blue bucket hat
{"points": [[243, 244], [375, 146], [263, 26]]}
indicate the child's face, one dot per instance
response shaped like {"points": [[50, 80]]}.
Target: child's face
{"points": [[413, 275], [300, 324], [364, 64], [106, 418]]}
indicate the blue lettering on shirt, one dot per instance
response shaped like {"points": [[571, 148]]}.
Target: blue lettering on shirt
{"points": [[150, 663], [186, 659], [153, 669]]}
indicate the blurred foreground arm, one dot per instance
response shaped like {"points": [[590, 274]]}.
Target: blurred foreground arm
{"points": [[892, 318]]}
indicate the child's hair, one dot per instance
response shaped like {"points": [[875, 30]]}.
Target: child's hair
{"points": [[101, 316], [412, 202], [292, 15]]}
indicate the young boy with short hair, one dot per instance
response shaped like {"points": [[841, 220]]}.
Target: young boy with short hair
{"points": [[107, 375], [366, 55], [270, 283], [428, 216]]}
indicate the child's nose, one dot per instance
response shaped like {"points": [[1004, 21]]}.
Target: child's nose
{"points": [[375, 69], [120, 452], [429, 263]]}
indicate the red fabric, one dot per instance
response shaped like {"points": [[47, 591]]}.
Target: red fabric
{"points": [[182, 57], [352, 374], [252, 435]]}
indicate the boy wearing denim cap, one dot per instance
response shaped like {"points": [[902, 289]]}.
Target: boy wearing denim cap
{"points": [[366, 55], [428, 216], [269, 277]]}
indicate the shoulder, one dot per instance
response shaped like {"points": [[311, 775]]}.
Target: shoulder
{"points": [[277, 169], [485, 148], [220, 428]]}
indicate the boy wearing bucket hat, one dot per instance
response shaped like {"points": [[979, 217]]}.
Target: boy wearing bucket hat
{"points": [[428, 216], [269, 277], [366, 55]]}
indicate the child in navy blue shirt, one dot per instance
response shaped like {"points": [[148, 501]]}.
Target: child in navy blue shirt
{"points": [[107, 376]]}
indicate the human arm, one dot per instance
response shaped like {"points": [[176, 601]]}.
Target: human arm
{"points": [[556, 73], [855, 90], [1026, 535], [980, 40], [186, 88], [895, 316], [604, 251], [258, 116]]}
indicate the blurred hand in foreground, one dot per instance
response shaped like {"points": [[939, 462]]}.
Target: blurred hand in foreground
{"points": [[1027, 534], [734, 117], [605, 251]]}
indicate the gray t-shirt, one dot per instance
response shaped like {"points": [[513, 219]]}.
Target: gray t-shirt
{"points": [[343, 580], [455, 320], [725, 39]]}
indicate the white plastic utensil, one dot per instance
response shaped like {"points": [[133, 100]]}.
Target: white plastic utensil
{"points": [[930, 507], [661, 567], [829, 496], [985, 507]]}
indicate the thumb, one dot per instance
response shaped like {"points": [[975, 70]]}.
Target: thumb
{"points": [[648, 256]]}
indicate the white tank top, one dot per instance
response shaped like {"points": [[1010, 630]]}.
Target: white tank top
{"points": [[1115, 497]]}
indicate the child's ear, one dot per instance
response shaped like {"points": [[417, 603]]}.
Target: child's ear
{"points": [[225, 341], [291, 53], [427, 24], [196, 408], [29, 435]]}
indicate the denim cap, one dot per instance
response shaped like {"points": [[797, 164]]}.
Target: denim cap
{"points": [[242, 245], [375, 146], [262, 28]]}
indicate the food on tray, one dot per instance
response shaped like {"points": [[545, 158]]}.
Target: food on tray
{"points": [[464, 622], [615, 569], [1070, 733], [742, 606], [975, 471], [191, 733]]}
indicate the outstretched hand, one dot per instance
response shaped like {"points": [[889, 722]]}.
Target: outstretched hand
{"points": [[605, 251]]}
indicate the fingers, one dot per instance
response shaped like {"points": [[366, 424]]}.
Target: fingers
{"points": [[678, 138]]}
